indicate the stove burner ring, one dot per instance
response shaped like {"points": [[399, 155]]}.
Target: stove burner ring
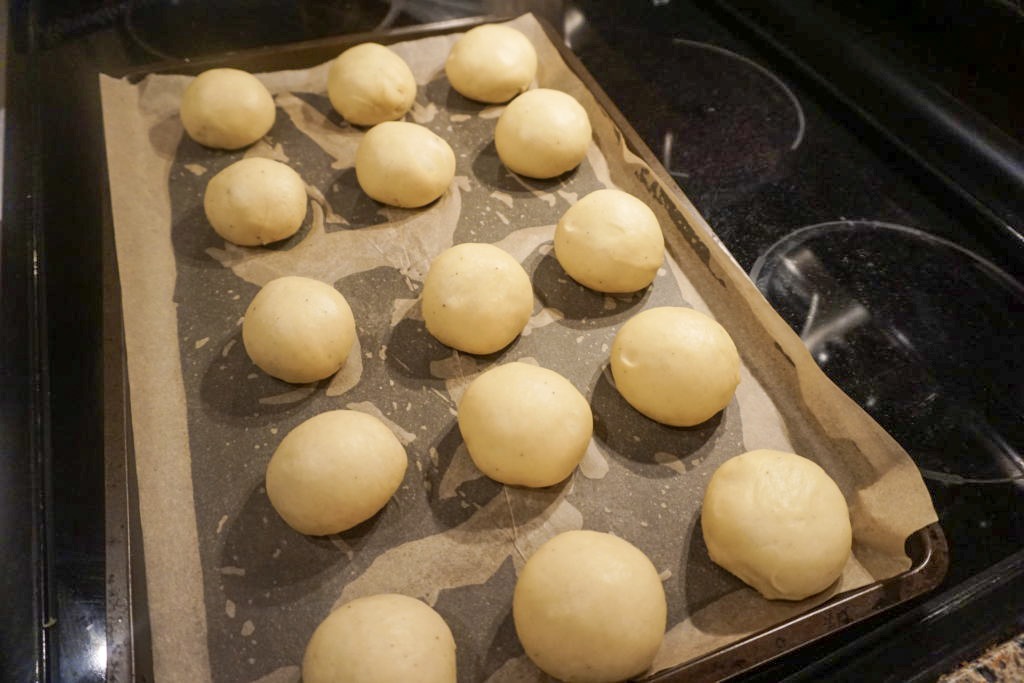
{"points": [[730, 122], [801, 121]]}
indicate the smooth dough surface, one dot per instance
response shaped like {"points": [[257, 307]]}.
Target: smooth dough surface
{"points": [[675, 365], [589, 607], [227, 109], [385, 638], [476, 298], [368, 84], [491, 63], [404, 164], [610, 241], [777, 521], [525, 425], [255, 201], [542, 134], [298, 329], [334, 471]]}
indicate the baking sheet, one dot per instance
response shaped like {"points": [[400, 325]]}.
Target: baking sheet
{"points": [[233, 593]]}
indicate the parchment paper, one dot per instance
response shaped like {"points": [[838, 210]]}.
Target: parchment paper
{"points": [[233, 593]]}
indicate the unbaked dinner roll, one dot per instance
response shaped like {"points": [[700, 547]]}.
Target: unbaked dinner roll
{"points": [[525, 425], [476, 298], [255, 201], [227, 109], [542, 134], [383, 638], [777, 521], [610, 241], [589, 607], [368, 84], [491, 63], [334, 471], [299, 330], [404, 164], [675, 365]]}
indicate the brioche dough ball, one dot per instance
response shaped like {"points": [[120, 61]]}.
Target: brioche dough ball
{"points": [[299, 330], [255, 201], [542, 134], [610, 241], [525, 425], [777, 521], [476, 298], [384, 638], [675, 365], [368, 84], [226, 109], [589, 607], [334, 471], [404, 164], [491, 63]]}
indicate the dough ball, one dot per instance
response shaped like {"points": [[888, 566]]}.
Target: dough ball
{"points": [[542, 134], [227, 109], [382, 638], [610, 241], [368, 84], [404, 164], [675, 365], [299, 330], [476, 298], [255, 201], [334, 471], [525, 425], [589, 607], [491, 63], [777, 521]]}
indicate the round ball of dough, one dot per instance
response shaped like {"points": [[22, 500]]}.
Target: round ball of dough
{"points": [[542, 134], [476, 298], [334, 471], [384, 638], [404, 164], [777, 521], [589, 607], [525, 425], [299, 330], [226, 109], [491, 63], [675, 365], [368, 84], [610, 241], [255, 201]]}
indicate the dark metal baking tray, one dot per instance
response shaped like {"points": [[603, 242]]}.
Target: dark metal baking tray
{"points": [[129, 657]]}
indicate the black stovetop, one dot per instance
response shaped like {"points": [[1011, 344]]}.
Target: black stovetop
{"points": [[900, 280]]}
